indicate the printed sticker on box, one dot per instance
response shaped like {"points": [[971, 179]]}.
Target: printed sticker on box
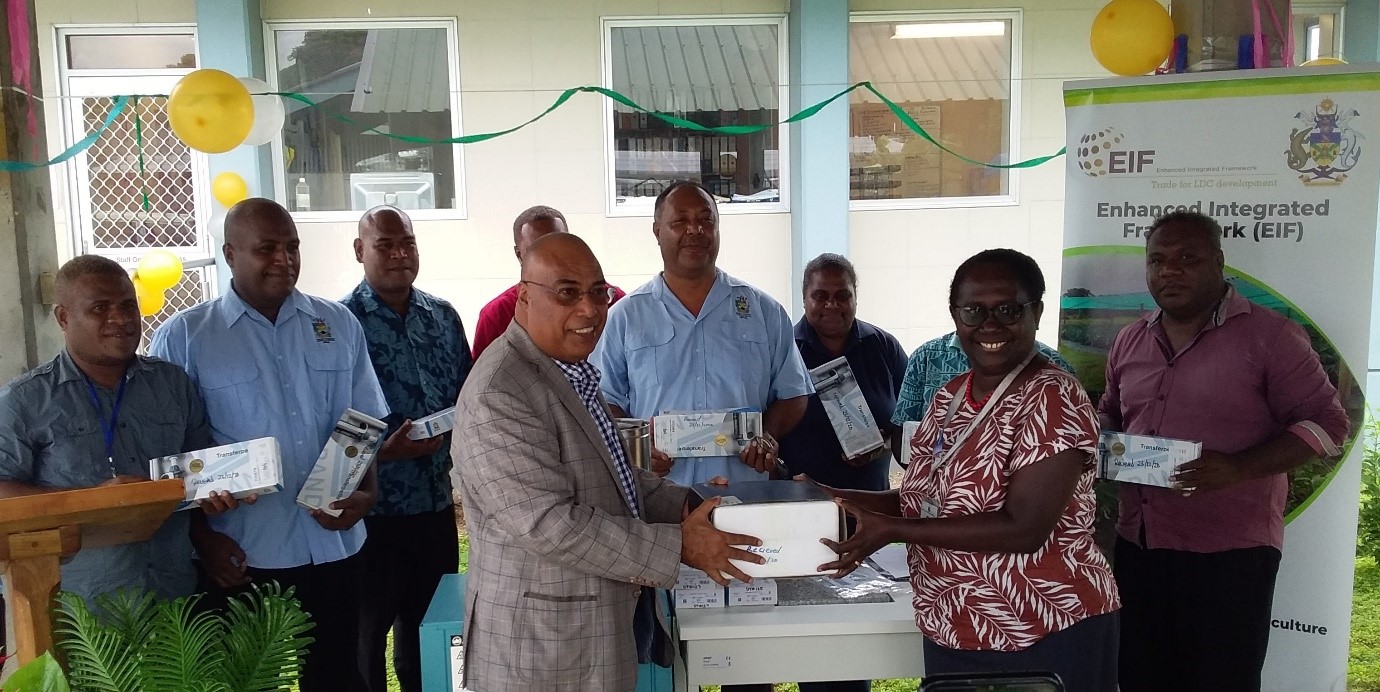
{"points": [[1143, 459], [694, 589], [759, 592], [705, 433], [848, 411], [438, 423], [343, 461], [253, 467]]}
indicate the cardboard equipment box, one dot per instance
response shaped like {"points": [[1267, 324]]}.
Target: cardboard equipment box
{"points": [[846, 407], [1143, 459], [721, 433], [789, 517], [343, 461], [253, 467], [438, 423]]}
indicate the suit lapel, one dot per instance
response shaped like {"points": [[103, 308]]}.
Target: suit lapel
{"points": [[546, 368]]}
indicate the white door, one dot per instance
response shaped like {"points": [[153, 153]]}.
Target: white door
{"points": [[122, 207]]}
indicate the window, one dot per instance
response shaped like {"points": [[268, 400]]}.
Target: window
{"points": [[381, 78], [1317, 29], [954, 75], [130, 51], [723, 71]]}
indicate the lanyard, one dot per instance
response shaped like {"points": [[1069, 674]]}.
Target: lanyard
{"points": [[108, 427], [943, 455]]}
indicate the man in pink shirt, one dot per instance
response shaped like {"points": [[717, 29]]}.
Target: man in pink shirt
{"points": [[531, 224], [1196, 563]]}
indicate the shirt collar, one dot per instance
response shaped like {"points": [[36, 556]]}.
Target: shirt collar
{"points": [[67, 370], [1231, 305], [232, 306], [805, 332], [583, 371], [952, 342], [369, 299]]}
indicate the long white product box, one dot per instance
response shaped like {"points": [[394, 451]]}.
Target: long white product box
{"points": [[849, 414], [722, 433], [759, 592], [694, 589], [789, 517], [346, 457], [438, 423], [253, 467], [1143, 459]]}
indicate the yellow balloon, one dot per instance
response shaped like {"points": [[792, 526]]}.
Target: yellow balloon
{"points": [[150, 299], [1132, 37], [229, 189], [210, 111], [159, 270], [1319, 62]]}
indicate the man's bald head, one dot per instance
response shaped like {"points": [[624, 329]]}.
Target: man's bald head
{"points": [[263, 251], [254, 212], [563, 298], [387, 248]]}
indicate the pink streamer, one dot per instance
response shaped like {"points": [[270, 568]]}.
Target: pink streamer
{"points": [[1260, 55], [1261, 46], [21, 60]]}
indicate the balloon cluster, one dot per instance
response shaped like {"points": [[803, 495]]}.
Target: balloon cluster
{"points": [[158, 271], [213, 111]]}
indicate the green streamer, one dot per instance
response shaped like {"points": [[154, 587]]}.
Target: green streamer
{"points": [[116, 108], [139, 146], [731, 130]]}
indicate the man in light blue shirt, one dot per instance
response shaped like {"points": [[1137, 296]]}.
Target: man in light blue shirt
{"points": [[271, 361], [696, 339]]}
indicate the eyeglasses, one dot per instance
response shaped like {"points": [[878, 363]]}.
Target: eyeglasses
{"points": [[569, 295], [975, 315]]}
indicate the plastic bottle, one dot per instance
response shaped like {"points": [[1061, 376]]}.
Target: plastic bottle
{"points": [[303, 192]]}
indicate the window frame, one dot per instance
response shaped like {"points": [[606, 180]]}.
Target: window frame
{"points": [[644, 209], [1305, 8], [1012, 196], [460, 211]]}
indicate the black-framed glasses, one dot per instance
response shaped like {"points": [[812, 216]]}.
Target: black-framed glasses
{"points": [[569, 295], [975, 315]]}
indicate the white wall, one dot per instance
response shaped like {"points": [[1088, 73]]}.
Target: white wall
{"points": [[515, 57]]}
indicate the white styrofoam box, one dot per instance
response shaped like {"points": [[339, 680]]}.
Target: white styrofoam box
{"points": [[343, 461], [722, 433], [1143, 459], [789, 517], [438, 423], [759, 592], [253, 467], [848, 412]]}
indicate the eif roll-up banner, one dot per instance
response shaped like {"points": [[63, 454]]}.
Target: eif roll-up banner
{"points": [[1287, 161]]}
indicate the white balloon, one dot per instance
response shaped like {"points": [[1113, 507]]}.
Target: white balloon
{"points": [[215, 228], [269, 113]]}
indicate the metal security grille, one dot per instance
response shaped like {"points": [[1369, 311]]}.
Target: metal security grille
{"points": [[118, 219], [194, 288]]}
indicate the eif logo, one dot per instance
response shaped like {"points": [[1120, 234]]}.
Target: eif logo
{"points": [[1099, 154]]}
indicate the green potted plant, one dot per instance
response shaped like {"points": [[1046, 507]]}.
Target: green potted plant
{"points": [[138, 644]]}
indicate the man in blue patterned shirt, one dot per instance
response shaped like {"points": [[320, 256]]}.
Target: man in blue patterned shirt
{"points": [[420, 353]]}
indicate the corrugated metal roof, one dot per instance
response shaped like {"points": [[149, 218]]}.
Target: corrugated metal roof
{"points": [[684, 69], [403, 71], [928, 69]]}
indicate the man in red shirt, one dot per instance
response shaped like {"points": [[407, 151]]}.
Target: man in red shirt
{"points": [[1196, 563], [531, 224]]}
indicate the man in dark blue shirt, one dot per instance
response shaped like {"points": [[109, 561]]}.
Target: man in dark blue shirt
{"points": [[420, 353]]}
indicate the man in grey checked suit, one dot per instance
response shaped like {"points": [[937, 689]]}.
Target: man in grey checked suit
{"points": [[564, 532]]}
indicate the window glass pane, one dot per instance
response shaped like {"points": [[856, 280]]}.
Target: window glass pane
{"points": [[130, 52], [391, 80], [954, 79], [713, 75]]}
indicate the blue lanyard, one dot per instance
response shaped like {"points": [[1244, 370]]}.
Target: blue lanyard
{"points": [[108, 427]]}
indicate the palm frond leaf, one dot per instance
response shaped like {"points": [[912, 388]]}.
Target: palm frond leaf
{"points": [[183, 650], [99, 657], [264, 639]]}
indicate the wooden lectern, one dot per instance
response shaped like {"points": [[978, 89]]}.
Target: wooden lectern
{"points": [[36, 531]]}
